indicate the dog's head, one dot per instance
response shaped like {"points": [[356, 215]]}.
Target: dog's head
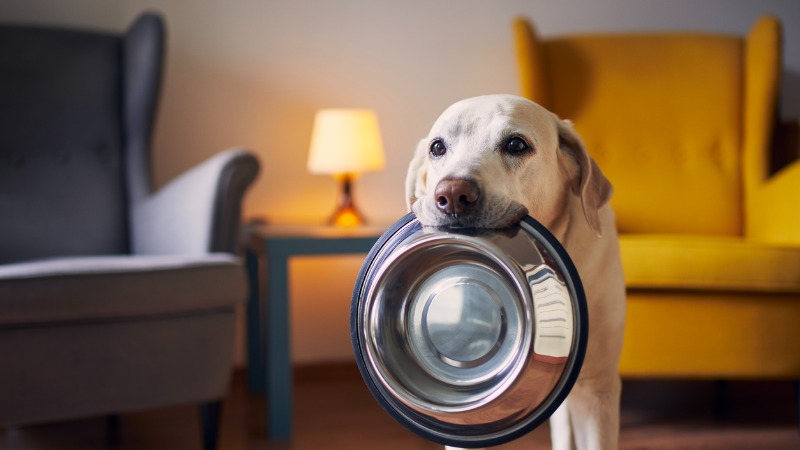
{"points": [[490, 160]]}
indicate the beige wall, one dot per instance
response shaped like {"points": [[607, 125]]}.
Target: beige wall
{"points": [[252, 73]]}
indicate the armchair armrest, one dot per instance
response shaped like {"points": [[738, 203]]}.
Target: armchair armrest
{"points": [[197, 212], [773, 215]]}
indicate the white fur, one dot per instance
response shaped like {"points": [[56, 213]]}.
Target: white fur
{"points": [[558, 184]]}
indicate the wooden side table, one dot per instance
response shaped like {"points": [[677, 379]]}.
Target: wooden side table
{"points": [[268, 338]]}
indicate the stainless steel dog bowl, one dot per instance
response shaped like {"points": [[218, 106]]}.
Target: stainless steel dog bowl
{"points": [[469, 338]]}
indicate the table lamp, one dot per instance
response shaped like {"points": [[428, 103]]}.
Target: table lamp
{"points": [[345, 143]]}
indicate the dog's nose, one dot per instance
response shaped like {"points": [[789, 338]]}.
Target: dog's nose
{"points": [[456, 195]]}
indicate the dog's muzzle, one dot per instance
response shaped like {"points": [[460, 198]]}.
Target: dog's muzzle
{"points": [[457, 196], [470, 338]]}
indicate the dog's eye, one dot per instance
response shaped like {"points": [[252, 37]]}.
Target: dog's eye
{"points": [[437, 148], [516, 145]]}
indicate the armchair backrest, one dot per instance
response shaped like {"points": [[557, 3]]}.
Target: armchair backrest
{"points": [[680, 123], [76, 118]]}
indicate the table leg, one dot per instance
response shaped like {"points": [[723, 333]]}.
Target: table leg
{"points": [[278, 349], [255, 335], [274, 337]]}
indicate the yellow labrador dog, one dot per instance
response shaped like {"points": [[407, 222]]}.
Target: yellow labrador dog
{"points": [[487, 162]]}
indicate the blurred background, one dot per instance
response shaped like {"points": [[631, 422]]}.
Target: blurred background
{"points": [[252, 73]]}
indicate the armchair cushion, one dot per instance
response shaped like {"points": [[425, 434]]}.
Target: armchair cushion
{"points": [[80, 289], [708, 263], [99, 335], [81, 369]]}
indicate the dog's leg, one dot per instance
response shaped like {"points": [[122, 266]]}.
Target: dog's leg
{"points": [[594, 410], [560, 429]]}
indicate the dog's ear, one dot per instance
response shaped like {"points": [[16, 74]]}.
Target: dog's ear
{"points": [[592, 186], [417, 175]]}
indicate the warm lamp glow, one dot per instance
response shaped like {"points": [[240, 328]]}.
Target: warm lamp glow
{"points": [[345, 143], [346, 217]]}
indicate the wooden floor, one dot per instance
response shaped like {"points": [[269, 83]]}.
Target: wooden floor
{"points": [[333, 410]]}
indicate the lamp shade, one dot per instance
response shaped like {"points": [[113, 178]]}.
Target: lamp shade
{"points": [[345, 141]]}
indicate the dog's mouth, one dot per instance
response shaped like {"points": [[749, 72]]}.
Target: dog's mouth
{"points": [[491, 216]]}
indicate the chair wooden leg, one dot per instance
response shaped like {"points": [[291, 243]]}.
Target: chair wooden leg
{"points": [[721, 399], [209, 420], [797, 390], [112, 430]]}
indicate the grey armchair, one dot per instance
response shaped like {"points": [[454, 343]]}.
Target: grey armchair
{"points": [[112, 297]]}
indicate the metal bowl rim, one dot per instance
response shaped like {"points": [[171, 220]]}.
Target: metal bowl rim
{"points": [[408, 418]]}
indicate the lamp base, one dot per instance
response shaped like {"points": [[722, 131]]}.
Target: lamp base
{"points": [[346, 213], [346, 217]]}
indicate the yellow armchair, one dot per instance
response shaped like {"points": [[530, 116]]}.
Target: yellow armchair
{"points": [[682, 124]]}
